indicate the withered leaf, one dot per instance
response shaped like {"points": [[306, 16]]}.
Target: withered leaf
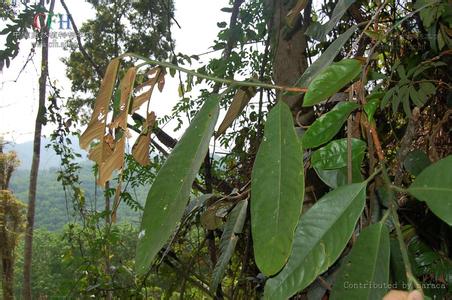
{"points": [[241, 99], [140, 151], [115, 161], [159, 78], [212, 217], [96, 126], [126, 88]]}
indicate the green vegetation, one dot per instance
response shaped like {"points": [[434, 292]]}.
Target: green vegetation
{"points": [[53, 206]]}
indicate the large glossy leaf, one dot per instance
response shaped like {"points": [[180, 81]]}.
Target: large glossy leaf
{"points": [[334, 154], [319, 32], [326, 58], [170, 191], [337, 177], [365, 272], [229, 238], [320, 237], [331, 80], [328, 125], [434, 186], [277, 190], [330, 162]]}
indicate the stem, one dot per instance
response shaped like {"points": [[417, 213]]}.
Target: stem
{"points": [[375, 173], [398, 189], [232, 82], [385, 216], [403, 249]]}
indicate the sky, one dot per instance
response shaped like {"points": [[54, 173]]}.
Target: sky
{"points": [[19, 89]]}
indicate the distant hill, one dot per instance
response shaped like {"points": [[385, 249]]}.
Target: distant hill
{"points": [[54, 209], [48, 157], [53, 206]]}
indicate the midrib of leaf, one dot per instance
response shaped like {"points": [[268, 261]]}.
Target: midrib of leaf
{"points": [[434, 189], [279, 170], [321, 237], [374, 270], [193, 160]]}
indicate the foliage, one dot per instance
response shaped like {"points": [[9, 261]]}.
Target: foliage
{"points": [[16, 30], [147, 33], [291, 256], [12, 221]]}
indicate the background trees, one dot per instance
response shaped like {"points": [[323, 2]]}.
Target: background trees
{"points": [[12, 221]]}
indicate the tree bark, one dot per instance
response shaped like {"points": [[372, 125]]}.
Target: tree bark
{"points": [[40, 120], [8, 275], [289, 50]]}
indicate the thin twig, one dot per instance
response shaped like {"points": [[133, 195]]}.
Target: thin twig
{"points": [[230, 82], [79, 41], [412, 281]]}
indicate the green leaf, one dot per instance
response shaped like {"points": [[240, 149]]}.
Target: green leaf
{"points": [[401, 72], [434, 186], [229, 238], [320, 237], [368, 262], [427, 88], [328, 125], [170, 191], [416, 161], [319, 32], [277, 191], [337, 177], [334, 155], [401, 96], [326, 58], [371, 107], [331, 80], [406, 101], [387, 97], [416, 97]]}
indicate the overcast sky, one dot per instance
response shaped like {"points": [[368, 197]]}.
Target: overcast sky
{"points": [[18, 99]]}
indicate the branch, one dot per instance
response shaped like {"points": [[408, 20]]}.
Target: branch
{"points": [[230, 82], [79, 41]]}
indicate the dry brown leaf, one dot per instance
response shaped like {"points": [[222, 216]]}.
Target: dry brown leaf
{"points": [[212, 217], [96, 126], [295, 11], [113, 150], [140, 151], [241, 99], [126, 88], [114, 161], [96, 154], [161, 80], [158, 78]]}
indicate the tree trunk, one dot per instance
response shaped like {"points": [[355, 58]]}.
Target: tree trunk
{"points": [[288, 48], [8, 275], [40, 120]]}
